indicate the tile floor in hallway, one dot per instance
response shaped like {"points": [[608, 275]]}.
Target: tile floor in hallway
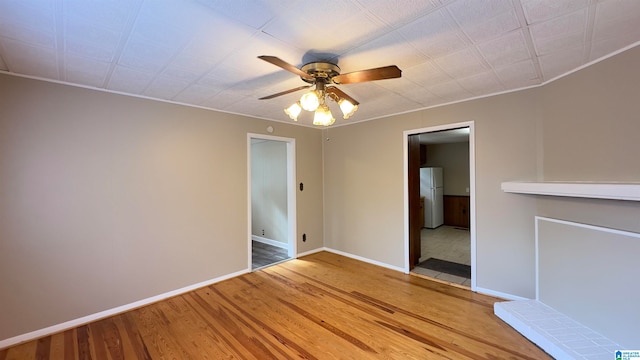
{"points": [[448, 243]]}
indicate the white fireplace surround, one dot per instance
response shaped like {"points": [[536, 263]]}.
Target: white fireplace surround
{"points": [[581, 270], [595, 190]]}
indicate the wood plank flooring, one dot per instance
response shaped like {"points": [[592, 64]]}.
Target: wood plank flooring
{"points": [[323, 306], [264, 254]]}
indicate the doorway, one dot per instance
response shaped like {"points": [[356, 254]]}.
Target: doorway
{"points": [[444, 250], [271, 193]]}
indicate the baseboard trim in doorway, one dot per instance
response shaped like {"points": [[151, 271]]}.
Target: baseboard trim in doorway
{"points": [[268, 241], [50, 330], [310, 252]]}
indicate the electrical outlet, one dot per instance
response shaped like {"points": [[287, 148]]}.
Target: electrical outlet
{"points": [[262, 232], [304, 237]]}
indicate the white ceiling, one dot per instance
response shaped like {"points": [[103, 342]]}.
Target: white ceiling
{"points": [[204, 52]]}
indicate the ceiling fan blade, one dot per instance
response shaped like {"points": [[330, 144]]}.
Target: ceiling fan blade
{"points": [[285, 65], [285, 92], [340, 94], [381, 73]]}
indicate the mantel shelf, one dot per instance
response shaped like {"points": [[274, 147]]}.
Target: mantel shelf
{"points": [[594, 190]]}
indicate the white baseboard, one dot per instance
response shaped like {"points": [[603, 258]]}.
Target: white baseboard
{"points": [[111, 312], [363, 259], [311, 252], [269, 241], [498, 294]]}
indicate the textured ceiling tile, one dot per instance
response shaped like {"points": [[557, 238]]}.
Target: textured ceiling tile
{"points": [[28, 23], [560, 62], [481, 84], [196, 94], [399, 12], [87, 40], [112, 15], [304, 28], [85, 71], [470, 12], [145, 56], [395, 103], [548, 36], [189, 64], [518, 75], [607, 46], [568, 24], [30, 60], [35, 16], [337, 11], [461, 64], [153, 29], [209, 44], [390, 49], [165, 88], [297, 32], [619, 20], [500, 24], [567, 41], [426, 73], [366, 92], [408, 89], [449, 91], [184, 74], [614, 10], [129, 80], [24, 33], [542, 10], [356, 30], [508, 49], [221, 100], [254, 13], [433, 35]]}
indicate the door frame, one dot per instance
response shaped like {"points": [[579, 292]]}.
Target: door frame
{"points": [[472, 189], [292, 249]]}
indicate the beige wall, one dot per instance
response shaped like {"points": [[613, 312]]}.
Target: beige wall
{"points": [[591, 133], [453, 158], [581, 127], [364, 187], [108, 199]]}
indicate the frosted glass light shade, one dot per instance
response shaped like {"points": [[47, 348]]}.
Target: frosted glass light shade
{"points": [[323, 116], [347, 108], [293, 111], [310, 101]]}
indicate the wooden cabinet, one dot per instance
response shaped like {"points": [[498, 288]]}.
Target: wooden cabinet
{"points": [[456, 211]]}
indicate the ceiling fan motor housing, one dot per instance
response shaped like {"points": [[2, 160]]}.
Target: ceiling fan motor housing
{"points": [[320, 70]]}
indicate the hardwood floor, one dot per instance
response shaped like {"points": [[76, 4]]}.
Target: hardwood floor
{"points": [[264, 254], [322, 306]]}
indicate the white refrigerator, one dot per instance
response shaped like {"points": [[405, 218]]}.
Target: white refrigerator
{"points": [[432, 189]]}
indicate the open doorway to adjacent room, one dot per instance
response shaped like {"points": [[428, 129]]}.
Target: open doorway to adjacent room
{"points": [[440, 191], [271, 200]]}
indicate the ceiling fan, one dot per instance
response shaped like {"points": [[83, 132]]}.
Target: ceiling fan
{"points": [[322, 75]]}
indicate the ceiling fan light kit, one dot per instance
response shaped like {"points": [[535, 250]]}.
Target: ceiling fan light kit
{"points": [[310, 101], [293, 111], [321, 74]]}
